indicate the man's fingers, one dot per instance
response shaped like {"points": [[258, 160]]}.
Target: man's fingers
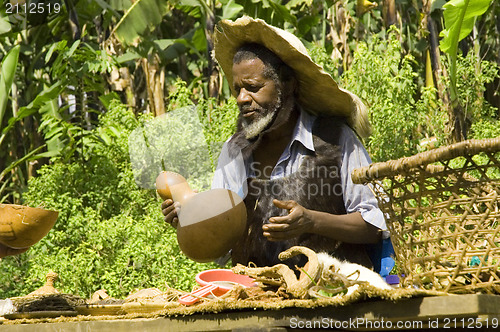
{"points": [[175, 222], [280, 236], [166, 203], [284, 204], [280, 227], [280, 220], [172, 219], [166, 211], [288, 219]]}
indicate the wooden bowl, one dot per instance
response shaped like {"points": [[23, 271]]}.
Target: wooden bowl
{"points": [[23, 226]]}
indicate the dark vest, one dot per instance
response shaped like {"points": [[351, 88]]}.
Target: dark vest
{"points": [[316, 186]]}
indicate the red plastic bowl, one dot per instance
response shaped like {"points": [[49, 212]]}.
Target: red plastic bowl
{"points": [[221, 276], [215, 282]]}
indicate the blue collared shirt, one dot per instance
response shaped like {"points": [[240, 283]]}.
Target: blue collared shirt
{"points": [[232, 173]]}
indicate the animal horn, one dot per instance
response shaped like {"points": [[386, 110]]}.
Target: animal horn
{"points": [[312, 270]]}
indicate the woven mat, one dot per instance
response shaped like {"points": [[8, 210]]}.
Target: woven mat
{"points": [[214, 306]]}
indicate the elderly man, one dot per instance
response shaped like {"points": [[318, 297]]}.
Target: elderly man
{"points": [[293, 151]]}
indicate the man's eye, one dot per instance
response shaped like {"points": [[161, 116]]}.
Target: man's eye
{"points": [[252, 88]]}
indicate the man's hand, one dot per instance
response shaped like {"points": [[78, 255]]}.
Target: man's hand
{"points": [[170, 211], [7, 251], [296, 223]]}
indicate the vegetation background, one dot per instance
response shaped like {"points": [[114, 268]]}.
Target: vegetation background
{"points": [[80, 76]]}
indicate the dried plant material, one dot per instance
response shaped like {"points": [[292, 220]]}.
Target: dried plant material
{"points": [[48, 288], [101, 297]]}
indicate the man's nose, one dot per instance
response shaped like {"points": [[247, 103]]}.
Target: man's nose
{"points": [[243, 97]]}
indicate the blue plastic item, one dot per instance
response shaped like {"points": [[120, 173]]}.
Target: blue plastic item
{"points": [[382, 255]]}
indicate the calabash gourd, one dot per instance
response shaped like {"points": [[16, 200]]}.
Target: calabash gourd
{"points": [[210, 222], [23, 226]]}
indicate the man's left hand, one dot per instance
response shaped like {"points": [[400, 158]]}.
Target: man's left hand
{"points": [[297, 222]]}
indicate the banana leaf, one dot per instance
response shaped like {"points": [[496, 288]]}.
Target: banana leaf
{"points": [[8, 71], [140, 17]]}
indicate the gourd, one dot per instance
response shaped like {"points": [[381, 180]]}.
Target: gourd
{"points": [[23, 226], [210, 222]]}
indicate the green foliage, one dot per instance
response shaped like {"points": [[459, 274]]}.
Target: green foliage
{"points": [[187, 139], [76, 65], [140, 17], [219, 123], [181, 96], [386, 80], [474, 74], [485, 128], [459, 18], [320, 56], [7, 72], [110, 233]]}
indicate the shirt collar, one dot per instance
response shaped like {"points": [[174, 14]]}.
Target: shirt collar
{"points": [[303, 130]]}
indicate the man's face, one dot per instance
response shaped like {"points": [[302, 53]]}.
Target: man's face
{"points": [[258, 97]]}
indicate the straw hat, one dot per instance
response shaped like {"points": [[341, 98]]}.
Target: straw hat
{"points": [[319, 94]]}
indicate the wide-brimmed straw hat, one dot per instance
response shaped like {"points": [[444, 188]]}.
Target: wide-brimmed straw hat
{"points": [[318, 93]]}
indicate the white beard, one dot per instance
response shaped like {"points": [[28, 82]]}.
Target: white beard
{"points": [[254, 128]]}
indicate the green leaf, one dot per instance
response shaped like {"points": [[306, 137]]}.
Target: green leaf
{"points": [[282, 12], [128, 56], [8, 71], [4, 24], [230, 10], [294, 3], [40, 100], [50, 51], [174, 50], [104, 5], [196, 3], [437, 4], [108, 98], [142, 16], [164, 43], [199, 40], [120, 4], [459, 18], [73, 49]]}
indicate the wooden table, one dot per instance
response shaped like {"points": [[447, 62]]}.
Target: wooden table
{"points": [[478, 311]]}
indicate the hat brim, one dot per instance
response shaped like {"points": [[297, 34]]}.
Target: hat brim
{"points": [[319, 94]]}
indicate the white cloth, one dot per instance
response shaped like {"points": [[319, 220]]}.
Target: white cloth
{"points": [[233, 173]]}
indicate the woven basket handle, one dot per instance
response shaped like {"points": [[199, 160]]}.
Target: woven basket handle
{"points": [[380, 170]]}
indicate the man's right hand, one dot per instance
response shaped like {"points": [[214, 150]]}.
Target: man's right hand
{"points": [[170, 211]]}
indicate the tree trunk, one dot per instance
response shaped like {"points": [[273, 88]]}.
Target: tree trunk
{"points": [[389, 13], [213, 71], [155, 83], [340, 25], [456, 129]]}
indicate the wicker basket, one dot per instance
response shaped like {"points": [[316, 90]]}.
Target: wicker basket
{"points": [[442, 208]]}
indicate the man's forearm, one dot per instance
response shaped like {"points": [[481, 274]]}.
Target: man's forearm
{"points": [[351, 228]]}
